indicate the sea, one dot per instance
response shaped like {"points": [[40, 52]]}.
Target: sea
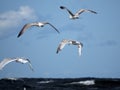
{"points": [[86, 83]]}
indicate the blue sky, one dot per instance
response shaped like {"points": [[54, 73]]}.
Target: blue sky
{"points": [[99, 34]]}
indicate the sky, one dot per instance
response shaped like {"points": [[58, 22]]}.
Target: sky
{"points": [[99, 34]]}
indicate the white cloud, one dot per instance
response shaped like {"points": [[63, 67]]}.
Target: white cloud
{"points": [[11, 19]]}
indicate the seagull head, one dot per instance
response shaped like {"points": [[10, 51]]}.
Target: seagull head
{"points": [[64, 40], [22, 60], [40, 24], [70, 42]]}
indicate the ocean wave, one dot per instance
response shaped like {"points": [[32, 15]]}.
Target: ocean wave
{"points": [[87, 82], [48, 81], [59, 84]]}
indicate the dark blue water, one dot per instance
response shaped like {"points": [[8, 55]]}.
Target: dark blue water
{"points": [[59, 84]]}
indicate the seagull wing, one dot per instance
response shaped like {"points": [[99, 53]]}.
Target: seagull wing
{"points": [[85, 10], [23, 61], [5, 62], [79, 49], [61, 46], [30, 65], [53, 27], [92, 11], [25, 27], [62, 7], [80, 11]]}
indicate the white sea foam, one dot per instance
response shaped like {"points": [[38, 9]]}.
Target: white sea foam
{"points": [[48, 81], [10, 78], [87, 82]]}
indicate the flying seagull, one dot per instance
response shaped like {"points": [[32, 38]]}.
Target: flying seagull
{"points": [[38, 24], [19, 60], [70, 42], [76, 15]]}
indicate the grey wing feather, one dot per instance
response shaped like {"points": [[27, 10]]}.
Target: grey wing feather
{"points": [[25, 27], [80, 11], [84, 10], [92, 11], [61, 46], [53, 27], [79, 49], [30, 65], [62, 7], [5, 62]]}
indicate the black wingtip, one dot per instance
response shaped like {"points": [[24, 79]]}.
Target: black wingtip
{"points": [[93, 12], [62, 7], [18, 35], [58, 32], [57, 52]]}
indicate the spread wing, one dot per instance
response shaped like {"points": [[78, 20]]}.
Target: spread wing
{"points": [[80, 49], [23, 61], [25, 27], [92, 11], [30, 65], [62, 7], [53, 27], [5, 62], [61, 46], [85, 10]]}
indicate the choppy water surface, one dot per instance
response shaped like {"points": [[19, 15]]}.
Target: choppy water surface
{"points": [[59, 84]]}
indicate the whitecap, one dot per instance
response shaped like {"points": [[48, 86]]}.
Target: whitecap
{"points": [[11, 79], [48, 81], [87, 82]]}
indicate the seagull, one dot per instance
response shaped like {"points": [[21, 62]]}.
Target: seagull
{"points": [[70, 42], [38, 24], [76, 15], [19, 60]]}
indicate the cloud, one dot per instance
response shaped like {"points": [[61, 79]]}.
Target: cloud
{"points": [[10, 20]]}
